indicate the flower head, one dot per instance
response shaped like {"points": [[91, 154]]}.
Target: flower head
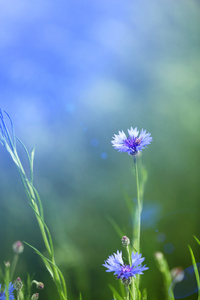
{"points": [[18, 247], [115, 264], [10, 292], [132, 144]]}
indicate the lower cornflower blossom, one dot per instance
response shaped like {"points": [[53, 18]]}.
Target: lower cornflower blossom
{"points": [[132, 144], [10, 292], [123, 271]]}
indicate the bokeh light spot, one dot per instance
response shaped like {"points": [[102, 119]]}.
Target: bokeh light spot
{"points": [[94, 142], [161, 237], [169, 248], [104, 155]]}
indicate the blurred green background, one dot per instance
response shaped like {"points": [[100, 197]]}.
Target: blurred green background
{"points": [[72, 74]]}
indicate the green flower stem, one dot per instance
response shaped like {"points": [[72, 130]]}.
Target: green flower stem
{"points": [[127, 292], [136, 239], [13, 266], [133, 287], [128, 253], [136, 229], [18, 295], [7, 280]]}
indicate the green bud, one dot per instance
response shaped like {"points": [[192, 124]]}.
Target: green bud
{"points": [[39, 285], [125, 241], [35, 296], [18, 284], [126, 281]]}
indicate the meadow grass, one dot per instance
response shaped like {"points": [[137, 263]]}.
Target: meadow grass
{"points": [[128, 269]]}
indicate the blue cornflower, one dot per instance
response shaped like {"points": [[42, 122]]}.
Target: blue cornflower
{"points": [[115, 264], [10, 292], [133, 143]]}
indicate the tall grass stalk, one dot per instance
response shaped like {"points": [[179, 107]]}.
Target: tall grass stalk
{"points": [[8, 140]]}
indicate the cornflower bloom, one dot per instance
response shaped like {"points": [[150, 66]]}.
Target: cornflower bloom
{"points": [[10, 292], [133, 143], [125, 272]]}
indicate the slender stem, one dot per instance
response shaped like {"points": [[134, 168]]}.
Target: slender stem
{"points": [[129, 257], [13, 266], [7, 275], [138, 216], [136, 229], [127, 292]]}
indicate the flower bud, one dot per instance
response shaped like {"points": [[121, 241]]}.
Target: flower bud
{"points": [[18, 247], [39, 285], [159, 255], [125, 241], [7, 264], [35, 296], [126, 281], [18, 284]]}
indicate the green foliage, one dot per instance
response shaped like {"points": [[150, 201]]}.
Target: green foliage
{"points": [[144, 294], [164, 269], [195, 269], [80, 297], [36, 204], [116, 295]]}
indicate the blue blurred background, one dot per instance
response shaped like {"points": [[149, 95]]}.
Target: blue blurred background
{"points": [[72, 74]]}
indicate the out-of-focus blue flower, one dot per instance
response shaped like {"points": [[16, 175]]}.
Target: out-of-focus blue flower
{"points": [[133, 143], [115, 264], [10, 292]]}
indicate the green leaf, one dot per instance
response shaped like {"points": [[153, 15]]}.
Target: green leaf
{"points": [[115, 293], [144, 294], [45, 259], [24, 148], [197, 239], [46, 229], [12, 140], [195, 270], [116, 227], [31, 163], [61, 282], [138, 291]]}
